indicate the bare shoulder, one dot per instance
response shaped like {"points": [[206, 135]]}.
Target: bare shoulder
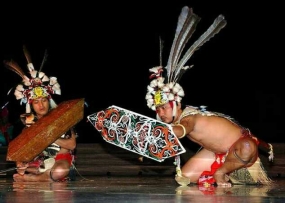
{"points": [[189, 121]]}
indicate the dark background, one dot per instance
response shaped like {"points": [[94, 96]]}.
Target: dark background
{"points": [[103, 52]]}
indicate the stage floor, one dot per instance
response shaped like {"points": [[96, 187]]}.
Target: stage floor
{"points": [[139, 189]]}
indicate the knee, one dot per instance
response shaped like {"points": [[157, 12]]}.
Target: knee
{"points": [[248, 148], [58, 173], [247, 151]]}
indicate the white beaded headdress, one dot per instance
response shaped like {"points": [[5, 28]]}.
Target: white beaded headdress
{"points": [[164, 89], [38, 85]]}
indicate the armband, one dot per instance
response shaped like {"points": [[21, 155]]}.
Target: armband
{"points": [[184, 130]]}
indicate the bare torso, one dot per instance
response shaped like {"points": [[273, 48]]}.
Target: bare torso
{"points": [[214, 133]]}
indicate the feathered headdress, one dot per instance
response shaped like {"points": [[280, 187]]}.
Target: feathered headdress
{"points": [[39, 85], [165, 89]]}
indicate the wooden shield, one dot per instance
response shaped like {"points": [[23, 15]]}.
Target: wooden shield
{"points": [[33, 140], [137, 133]]}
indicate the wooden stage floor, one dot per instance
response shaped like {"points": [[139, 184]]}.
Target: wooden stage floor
{"points": [[139, 189], [107, 173]]}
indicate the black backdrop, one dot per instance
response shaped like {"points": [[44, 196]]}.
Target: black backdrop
{"points": [[102, 52]]}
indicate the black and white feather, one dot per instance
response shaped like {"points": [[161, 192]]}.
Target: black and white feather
{"points": [[186, 26]]}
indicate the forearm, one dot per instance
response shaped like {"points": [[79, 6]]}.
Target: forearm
{"points": [[69, 143]]}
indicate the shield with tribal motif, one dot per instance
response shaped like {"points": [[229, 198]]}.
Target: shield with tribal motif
{"points": [[137, 133]]}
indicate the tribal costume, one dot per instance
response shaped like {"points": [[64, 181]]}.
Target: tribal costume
{"points": [[164, 88], [37, 86]]}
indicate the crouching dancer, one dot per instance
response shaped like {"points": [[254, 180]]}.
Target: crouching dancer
{"points": [[229, 152]]}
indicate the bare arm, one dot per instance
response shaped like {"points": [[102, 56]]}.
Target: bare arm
{"points": [[185, 127], [69, 143]]}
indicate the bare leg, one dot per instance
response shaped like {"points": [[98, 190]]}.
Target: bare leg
{"points": [[61, 170], [200, 162], [58, 171], [242, 154]]}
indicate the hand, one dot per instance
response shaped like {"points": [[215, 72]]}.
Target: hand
{"points": [[21, 167]]}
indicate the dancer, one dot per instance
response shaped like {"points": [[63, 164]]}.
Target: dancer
{"points": [[56, 161], [229, 151]]}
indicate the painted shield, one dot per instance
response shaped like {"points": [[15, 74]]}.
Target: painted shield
{"points": [[137, 133]]}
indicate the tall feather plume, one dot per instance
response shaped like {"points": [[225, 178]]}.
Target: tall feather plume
{"points": [[29, 59], [13, 66], [44, 60], [27, 54], [160, 51], [215, 28], [186, 26]]}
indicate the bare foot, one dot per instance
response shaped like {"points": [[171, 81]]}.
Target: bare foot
{"points": [[181, 180], [31, 178], [18, 177], [222, 179]]}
